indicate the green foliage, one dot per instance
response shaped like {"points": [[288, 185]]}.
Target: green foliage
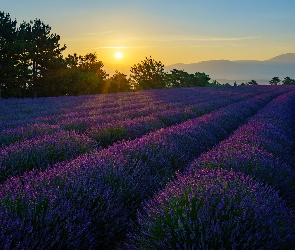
{"points": [[214, 209], [252, 82], [201, 79], [75, 75], [180, 78], [275, 81], [32, 65], [86, 74], [41, 52], [8, 58], [288, 81], [118, 83], [148, 74], [26, 53]]}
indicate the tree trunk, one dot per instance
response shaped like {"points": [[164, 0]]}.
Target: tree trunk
{"points": [[24, 90], [35, 78]]}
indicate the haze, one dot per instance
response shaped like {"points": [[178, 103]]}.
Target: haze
{"points": [[174, 31]]}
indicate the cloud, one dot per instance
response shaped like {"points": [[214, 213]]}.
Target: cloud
{"points": [[205, 39], [152, 39], [124, 47], [98, 33]]}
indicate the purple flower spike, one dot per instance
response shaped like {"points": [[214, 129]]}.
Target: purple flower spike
{"points": [[214, 209]]}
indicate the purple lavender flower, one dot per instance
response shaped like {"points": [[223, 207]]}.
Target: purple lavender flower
{"points": [[262, 148], [214, 209], [42, 151], [90, 202]]}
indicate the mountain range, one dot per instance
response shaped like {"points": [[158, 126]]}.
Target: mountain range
{"points": [[229, 71], [243, 71]]}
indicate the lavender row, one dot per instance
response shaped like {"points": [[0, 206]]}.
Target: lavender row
{"points": [[41, 152], [44, 150], [214, 209], [112, 127], [26, 132], [15, 112], [91, 202], [118, 102], [81, 119], [19, 112], [56, 145], [108, 133], [82, 113], [51, 146], [45, 109], [263, 148], [86, 120], [214, 206]]}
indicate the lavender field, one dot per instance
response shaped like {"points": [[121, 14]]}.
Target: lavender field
{"points": [[187, 168]]}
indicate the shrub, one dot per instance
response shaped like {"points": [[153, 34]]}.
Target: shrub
{"points": [[26, 132], [42, 151], [214, 209], [262, 166], [82, 212]]}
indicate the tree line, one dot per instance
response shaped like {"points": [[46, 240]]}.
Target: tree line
{"points": [[274, 81], [32, 65]]}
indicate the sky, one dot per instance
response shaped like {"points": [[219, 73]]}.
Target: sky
{"points": [[171, 31]]}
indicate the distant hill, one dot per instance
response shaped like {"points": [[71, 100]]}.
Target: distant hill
{"points": [[285, 58], [229, 71]]}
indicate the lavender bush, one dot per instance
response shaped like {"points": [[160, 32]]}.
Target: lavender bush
{"points": [[85, 211], [168, 114], [262, 148], [258, 163], [79, 113], [96, 195], [102, 121], [214, 209], [91, 201], [30, 131], [42, 151], [109, 132]]}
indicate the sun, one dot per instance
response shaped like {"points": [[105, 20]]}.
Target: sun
{"points": [[118, 55]]}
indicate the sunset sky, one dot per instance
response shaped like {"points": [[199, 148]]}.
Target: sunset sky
{"points": [[171, 31]]}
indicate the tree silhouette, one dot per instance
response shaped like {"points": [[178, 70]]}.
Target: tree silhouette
{"points": [[8, 54], [275, 81], [253, 82], [148, 74], [288, 81], [118, 83], [44, 48], [83, 75], [201, 79], [178, 78]]}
